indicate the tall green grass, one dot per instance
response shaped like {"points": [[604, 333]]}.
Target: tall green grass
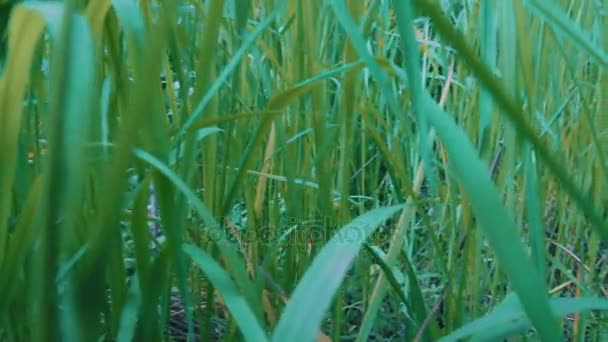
{"points": [[324, 170]]}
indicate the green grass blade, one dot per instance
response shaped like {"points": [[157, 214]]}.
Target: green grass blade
{"points": [[235, 262], [228, 69], [404, 13], [183, 187], [130, 17], [533, 213], [70, 111], [495, 221], [560, 22], [303, 315], [21, 243], [130, 313], [512, 110], [488, 55], [25, 28], [508, 318], [236, 303]]}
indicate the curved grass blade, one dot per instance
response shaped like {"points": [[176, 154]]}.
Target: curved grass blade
{"points": [[495, 221], [132, 20], [25, 29], [240, 310], [492, 216], [234, 262], [302, 317], [508, 318], [183, 187], [389, 273], [177, 153], [512, 109]]}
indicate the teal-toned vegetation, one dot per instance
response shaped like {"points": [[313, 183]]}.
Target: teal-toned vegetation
{"points": [[303, 170]]}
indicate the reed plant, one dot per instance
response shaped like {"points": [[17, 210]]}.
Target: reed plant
{"points": [[329, 170]]}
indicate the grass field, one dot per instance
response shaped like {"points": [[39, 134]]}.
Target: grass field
{"points": [[303, 170]]}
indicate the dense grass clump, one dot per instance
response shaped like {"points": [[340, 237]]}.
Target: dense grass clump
{"points": [[303, 170]]}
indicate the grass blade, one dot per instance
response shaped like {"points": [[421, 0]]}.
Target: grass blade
{"points": [[551, 13], [508, 318], [242, 313], [513, 112], [302, 316], [495, 221]]}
